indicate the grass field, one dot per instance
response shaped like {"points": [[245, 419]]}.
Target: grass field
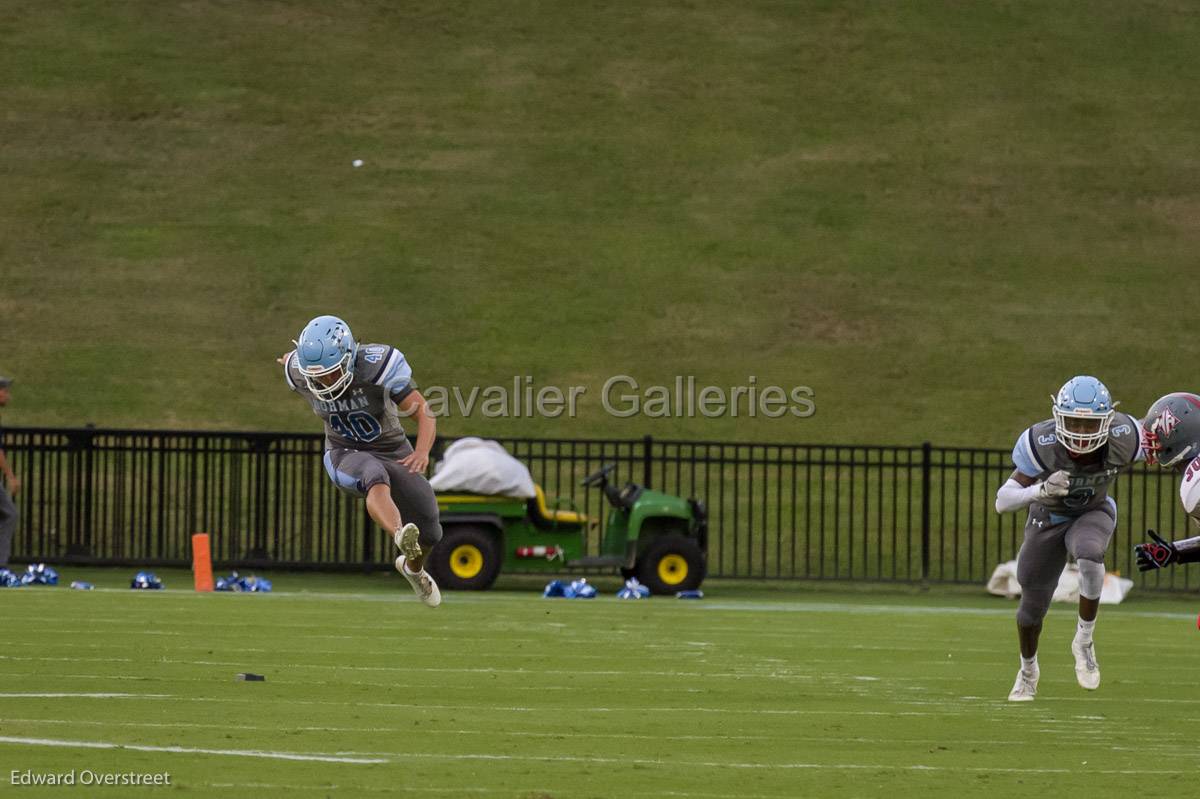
{"points": [[930, 212], [755, 692]]}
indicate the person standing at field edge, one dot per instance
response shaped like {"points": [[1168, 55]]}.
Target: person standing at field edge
{"points": [[8, 510]]}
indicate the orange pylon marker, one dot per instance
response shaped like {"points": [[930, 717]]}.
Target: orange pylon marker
{"points": [[202, 562]]}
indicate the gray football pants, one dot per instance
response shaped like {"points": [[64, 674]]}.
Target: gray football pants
{"points": [[356, 472], [1049, 538], [8, 525]]}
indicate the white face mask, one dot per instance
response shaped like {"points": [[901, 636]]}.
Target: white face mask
{"points": [[1079, 438], [330, 383]]}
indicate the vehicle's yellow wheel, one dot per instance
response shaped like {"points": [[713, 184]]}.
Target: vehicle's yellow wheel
{"points": [[671, 563], [672, 569], [467, 558], [466, 561]]}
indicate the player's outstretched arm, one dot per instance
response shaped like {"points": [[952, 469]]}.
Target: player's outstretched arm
{"points": [[1159, 553]]}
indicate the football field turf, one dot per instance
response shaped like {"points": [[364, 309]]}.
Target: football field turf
{"points": [[752, 692]]}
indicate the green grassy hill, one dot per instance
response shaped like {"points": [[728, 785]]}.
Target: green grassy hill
{"points": [[931, 213]]}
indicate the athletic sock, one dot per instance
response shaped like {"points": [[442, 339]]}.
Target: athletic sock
{"points": [[1029, 665], [1083, 633]]}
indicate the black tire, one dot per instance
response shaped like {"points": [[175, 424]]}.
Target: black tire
{"points": [[671, 563], [467, 558]]}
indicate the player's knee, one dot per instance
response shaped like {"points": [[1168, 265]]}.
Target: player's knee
{"points": [[378, 486], [1090, 550], [1091, 578], [1033, 607], [431, 533]]}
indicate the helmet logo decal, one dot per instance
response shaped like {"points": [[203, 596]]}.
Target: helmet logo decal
{"points": [[1166, 422]]}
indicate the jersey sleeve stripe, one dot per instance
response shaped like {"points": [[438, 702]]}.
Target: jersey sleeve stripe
{"points": [[389, 366], [397, 372], [1024, 456], [383, 364], [287, 369], [1139, 452], [1034, 452]]}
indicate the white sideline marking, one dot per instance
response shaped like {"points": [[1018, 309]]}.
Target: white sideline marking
{"points": [[187, 750]]}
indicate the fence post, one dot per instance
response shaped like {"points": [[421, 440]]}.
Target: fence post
{"points": [[80, 450], [926, 501], [647, 459], [260, 447]]}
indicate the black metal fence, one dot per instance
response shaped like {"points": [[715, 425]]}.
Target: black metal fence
{"points": [[909, 514]]}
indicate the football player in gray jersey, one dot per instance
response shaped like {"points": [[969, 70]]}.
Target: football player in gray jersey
{"points": [[1064, 467], [360, 391], [1171, 437]]}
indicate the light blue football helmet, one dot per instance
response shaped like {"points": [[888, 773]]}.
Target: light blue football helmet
{"points": [[325, 354], [1083, 412]]}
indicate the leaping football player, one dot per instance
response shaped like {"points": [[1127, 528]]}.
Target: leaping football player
{"points": [[360, 391], [1171, 438], [1064, 466]]}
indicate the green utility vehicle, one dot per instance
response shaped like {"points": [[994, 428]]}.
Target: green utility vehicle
{"points": [[659, 538]]}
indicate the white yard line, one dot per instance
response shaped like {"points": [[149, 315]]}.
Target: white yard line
{"points": [[703, 605], [493, 733], [402, 757], [187, 750]]}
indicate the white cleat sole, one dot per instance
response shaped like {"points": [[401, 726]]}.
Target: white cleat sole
{"points": [[422, 584], [407, 540], [1087, 670], [1024, 689]]}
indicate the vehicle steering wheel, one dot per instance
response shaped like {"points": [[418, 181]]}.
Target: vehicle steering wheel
{"points": [[598, 477]]}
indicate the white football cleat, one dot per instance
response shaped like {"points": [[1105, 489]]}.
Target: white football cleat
{"points": [[1025, 688], [407, 540], [424, 586], [1087, 670]]}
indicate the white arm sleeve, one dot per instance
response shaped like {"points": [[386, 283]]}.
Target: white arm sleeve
{"points": [[1014, 496]]}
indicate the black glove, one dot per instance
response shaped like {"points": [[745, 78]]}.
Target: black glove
{"points": [[1155, 555]]}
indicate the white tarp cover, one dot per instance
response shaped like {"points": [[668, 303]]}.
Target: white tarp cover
{"points": [[475, 466], [1004, 583]]}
